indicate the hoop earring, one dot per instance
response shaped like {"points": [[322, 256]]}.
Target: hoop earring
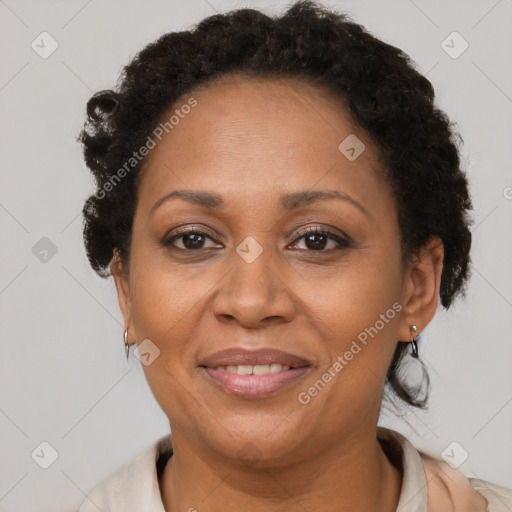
{"points": [[126, 345], [414, 345]]}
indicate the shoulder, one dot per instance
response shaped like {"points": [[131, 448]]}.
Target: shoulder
{"points": [[446, 484], [133, 486], [499, 498], [432, 485]]}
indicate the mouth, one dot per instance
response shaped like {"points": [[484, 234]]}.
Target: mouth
{"points": [[254, 374], [257, 369]]}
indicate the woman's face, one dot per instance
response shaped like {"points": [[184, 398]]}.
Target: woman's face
{"points": [[252, 278]]}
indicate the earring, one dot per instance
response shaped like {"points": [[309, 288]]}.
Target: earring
{"points": [[126, 345], [414, 345]]}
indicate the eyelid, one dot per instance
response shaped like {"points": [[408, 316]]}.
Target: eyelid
{"points": [[329, 230], [187, 229]]}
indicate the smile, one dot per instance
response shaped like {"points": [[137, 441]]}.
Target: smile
{"points": [[252, 382], [253, 374]]}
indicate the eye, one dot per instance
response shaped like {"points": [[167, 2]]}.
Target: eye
{"points": [[316, 239], [192, 239]]}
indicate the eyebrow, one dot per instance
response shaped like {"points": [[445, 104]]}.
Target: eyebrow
{"points": [[290, 201]]}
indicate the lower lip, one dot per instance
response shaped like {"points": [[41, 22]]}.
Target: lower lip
{"points": [[255, 386]]}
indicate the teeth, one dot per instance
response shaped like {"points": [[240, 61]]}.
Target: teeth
{"points": [[244, 369], [258, 369]]}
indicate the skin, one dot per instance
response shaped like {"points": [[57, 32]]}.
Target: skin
{"points": [[250, 140]]}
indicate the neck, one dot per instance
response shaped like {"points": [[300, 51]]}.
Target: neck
{"points": [[354, 475]]}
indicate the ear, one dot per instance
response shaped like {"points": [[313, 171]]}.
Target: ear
{"points": [[121, 279], [421, 288]]}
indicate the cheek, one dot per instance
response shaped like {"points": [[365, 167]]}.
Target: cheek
{"points": [[357, 311], [165, 309], [166, 294], [359, 341], [356, 296]]}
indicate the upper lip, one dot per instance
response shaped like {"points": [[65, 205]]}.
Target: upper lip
{"points": [[242, 356]]}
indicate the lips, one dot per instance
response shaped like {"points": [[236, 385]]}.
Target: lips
{"points": [[240, 356], [253, 374]]}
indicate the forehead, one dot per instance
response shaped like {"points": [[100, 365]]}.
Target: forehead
{"points": [[248, 135]]}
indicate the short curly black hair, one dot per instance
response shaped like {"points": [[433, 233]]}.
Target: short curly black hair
{"points": [[378, 83]]}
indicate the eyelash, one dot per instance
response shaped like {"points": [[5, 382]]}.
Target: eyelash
{"points": [[343, 241]]}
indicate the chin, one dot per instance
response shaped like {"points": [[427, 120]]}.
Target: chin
{"points": [[257, 437]]}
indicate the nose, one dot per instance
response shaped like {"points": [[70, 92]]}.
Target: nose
{"points": [[255, 291]]}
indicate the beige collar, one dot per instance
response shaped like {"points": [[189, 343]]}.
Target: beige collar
{"points": [[428, 484]]}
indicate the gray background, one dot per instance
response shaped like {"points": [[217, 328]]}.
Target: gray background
{"points": [[64, 378]]}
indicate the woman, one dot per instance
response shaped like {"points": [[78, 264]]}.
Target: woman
{"points": [[281, 206]]}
